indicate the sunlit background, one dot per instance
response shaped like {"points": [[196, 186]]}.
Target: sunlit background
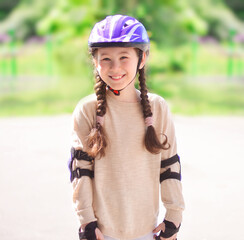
{"points": [[196, 63], [196, 60]]}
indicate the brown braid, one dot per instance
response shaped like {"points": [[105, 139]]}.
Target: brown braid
{"points": [[96, 140], [152, 142], [100, 90]]}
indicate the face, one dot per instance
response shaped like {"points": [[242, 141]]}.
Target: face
{"points": [[117, 66]]}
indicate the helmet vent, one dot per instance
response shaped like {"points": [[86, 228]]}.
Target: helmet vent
{"points": [[120, 31]]}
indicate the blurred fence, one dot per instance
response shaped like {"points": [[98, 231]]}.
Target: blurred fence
{"points": [[227, 59], [31, 58], [34, 58]]}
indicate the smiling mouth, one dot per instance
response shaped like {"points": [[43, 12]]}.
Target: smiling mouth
{"points": [[116, 78]]}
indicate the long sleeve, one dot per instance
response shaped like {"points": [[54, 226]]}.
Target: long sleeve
{"points": [[81, 166], [121, 189], [170, 173]]}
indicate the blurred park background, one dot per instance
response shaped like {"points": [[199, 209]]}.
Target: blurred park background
{"points": [[196, 60], [196, 63]]}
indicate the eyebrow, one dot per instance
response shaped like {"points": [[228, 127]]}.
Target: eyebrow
{"points": [[118, 53]]}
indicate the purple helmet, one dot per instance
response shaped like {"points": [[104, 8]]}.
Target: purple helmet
{"points": [[119, 31]]}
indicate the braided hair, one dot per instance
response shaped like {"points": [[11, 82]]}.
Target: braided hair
{"points": [[96, 140], [151, 140]]}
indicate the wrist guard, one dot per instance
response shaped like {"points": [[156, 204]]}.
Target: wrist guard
{"points": [[170, 230], [89, 232]]}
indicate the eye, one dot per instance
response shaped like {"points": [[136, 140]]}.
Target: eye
{"points": [[106, 59], [123, 57]]}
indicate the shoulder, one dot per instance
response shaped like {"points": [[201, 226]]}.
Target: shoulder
{"points": [[162, 116], [86, 107], [153, 97], [157, 102], [87, 102], [160, 107]]}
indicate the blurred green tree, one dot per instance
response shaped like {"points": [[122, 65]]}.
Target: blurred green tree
{"points": [[168, 21], [221, 19], [6, 7], [163, 19], [237, 6], [23, 16]]}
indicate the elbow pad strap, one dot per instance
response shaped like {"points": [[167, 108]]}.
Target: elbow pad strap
{"points": [[169, 175], [78, 173], [80, 155]]}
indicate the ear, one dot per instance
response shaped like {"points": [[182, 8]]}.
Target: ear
{"points": [[143, 60]]}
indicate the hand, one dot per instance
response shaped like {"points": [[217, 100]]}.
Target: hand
{"points": [[91, 233], [99, 234], [161, 227]]}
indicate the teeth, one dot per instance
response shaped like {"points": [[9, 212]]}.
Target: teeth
{"points": [[117, 77]]}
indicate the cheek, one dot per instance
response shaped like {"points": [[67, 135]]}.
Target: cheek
{"points": [[103, 66], [131, 68], [131, 65]]}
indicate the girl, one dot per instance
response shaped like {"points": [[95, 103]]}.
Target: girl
{"points": [[123, 144]]}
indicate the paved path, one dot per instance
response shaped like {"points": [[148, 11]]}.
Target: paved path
{"points": [[35, 201]]}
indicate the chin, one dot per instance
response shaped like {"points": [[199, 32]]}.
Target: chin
{"points": [[117, 86]]}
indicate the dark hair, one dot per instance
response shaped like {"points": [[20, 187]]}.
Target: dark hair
{"points": [[151, 141], [96, 140]]}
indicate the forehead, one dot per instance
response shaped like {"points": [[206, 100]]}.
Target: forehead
{"points": [[116, 50]]}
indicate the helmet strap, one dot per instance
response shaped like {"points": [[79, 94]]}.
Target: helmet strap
{"points": [[115, 92]]}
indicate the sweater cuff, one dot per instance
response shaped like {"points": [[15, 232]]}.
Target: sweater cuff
{"points": [[174, 216], [86, 215]]}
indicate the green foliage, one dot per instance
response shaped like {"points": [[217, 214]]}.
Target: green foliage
{"points": [[184, 96], [68, 19], [72, 59], [219, 17], [169, 22], [237, 6], [53, 100], [187, 94], [191, 97], [6, 7], [23, 18]]}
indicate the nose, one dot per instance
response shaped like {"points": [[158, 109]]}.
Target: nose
{"points": [[115, 65]]}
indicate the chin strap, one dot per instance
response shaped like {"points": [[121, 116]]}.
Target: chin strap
{"points": [[117, 92]]}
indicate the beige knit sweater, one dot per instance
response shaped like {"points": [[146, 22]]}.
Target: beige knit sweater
{"points": [[123, 196]]}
